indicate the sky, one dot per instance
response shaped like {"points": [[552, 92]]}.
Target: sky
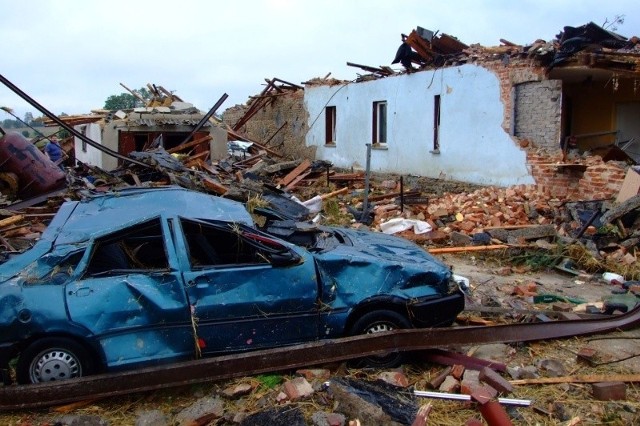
{"points": [[71, 55]]}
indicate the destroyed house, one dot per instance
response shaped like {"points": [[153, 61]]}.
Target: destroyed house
{"points": [[561, 114], [146, 128]]}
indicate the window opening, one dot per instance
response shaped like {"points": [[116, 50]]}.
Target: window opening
{"points": [[226, 244], [140, 247], [330, 124], [436, 123], [379, 122]]}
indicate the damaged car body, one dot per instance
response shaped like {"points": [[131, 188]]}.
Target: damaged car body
{"points": [[143, 277]]}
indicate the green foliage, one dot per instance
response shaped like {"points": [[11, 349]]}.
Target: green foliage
{"points": [[25, 133], [269, 381], [126, 100], [121, 101]]}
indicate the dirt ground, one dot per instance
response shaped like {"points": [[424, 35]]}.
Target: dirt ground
{"points": [[491, 280]]}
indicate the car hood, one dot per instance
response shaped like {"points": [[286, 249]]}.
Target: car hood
{"points": [[373, 263]]}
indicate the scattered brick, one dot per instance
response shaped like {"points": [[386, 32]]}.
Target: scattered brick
{"points": [[495, 380], [449, 385], [457, 371], [609, 391], [297, 388], [395, 378], [587, 355]]}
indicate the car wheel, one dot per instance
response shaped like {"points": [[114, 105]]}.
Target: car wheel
{"points": [[377, 322], [53, 359]]}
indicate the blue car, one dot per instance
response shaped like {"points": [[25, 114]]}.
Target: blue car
{"points": [[142, 277]]}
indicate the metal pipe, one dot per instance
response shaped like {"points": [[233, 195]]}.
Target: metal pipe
{"points": [[365, 202], [463, 397], [206, 118], [64, 125]]}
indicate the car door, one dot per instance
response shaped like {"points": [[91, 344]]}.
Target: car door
{"points": [[248, 290], [131, 300]]}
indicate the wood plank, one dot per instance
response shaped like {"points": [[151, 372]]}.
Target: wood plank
{"points": [[194, 158], [297, 180], [334, 193], [466, 248], [295, 172], [508, 227], [203, 165], [590, 378], [11, 220], [190, 144], [214, 186]]}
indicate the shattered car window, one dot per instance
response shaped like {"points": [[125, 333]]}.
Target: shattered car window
{"points": [[140, 247], [227, 244]]}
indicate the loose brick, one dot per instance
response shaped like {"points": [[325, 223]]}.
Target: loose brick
{"points": [[297, 388], [470, 382], [495, 380], [450, 385], [587, 355], [609, 391], [457, 371]]}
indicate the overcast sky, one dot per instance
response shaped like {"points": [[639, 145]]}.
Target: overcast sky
{"points": [[71, 55]]}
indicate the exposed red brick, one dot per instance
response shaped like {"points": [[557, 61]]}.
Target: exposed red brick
{"points": [[609, 391]]}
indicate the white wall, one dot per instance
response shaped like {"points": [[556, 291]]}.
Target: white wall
{"points": [[473, 146], [92, 155]]}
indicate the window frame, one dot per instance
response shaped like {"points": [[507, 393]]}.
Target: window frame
{"points": [[379, 128], [330, 125], [437, 108]]}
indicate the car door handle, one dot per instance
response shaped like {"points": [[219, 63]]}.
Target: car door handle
{"points": [[81, 292], [199, 282]]}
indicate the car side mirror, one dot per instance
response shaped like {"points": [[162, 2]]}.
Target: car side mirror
{"points": [[284, 258]]}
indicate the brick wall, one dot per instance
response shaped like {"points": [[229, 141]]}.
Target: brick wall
{"points": [[538, 112], [598, 181], [289, 109]]}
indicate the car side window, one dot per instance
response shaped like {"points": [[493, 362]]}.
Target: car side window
{"points": [[140, 247], [226, 244]]}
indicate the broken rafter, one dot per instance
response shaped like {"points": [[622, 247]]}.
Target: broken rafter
{"points": [[290, 177], [376, 70], [189, 144], [275, 133]]}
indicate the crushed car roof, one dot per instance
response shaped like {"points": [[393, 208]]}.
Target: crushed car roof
{"points": [[92, 216]]}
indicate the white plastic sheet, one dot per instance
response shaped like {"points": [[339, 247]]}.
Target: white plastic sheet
{"points": [[399, 224]]}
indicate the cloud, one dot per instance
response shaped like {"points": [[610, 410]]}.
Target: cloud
{"points": [[71, 55]]}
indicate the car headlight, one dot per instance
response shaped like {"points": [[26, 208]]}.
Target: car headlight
{"points": [[461, 282]]}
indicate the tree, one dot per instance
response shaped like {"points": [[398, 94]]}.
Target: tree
{"points": [[28, 118], [127, 100], [121, 101], [613, 24], [25, 133]]}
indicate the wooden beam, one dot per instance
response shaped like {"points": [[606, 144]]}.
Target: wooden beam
{"points": [[11, 221], [334, 193], [190, 144], [295, 172], [590, 378], [467, 248]]}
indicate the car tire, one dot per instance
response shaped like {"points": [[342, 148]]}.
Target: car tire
{"points": [[51, 359], [376, 322]]}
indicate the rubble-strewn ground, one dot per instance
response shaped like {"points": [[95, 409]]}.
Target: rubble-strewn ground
{"points": [[506, 283], [490, 280]]}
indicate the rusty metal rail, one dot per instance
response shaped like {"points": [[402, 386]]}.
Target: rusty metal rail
{"points": [[263, 361]]}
